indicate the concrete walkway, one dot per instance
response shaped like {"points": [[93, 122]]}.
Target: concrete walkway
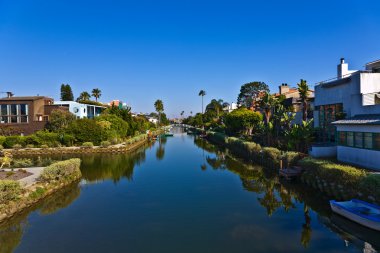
{"points": [[30, 180]]}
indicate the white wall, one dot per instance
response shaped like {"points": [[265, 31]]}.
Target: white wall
{"points": [[323, 151], [362, 157]]}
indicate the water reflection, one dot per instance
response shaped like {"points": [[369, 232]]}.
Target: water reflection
{"points": [[11, 231], [275, 194], [160, 152]]}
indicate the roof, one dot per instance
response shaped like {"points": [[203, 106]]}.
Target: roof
{"points": [[365, 119], [29, 98], [373, 62]]}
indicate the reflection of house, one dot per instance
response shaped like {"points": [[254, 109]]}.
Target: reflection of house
{"points": [[81, 110], [292, 99], [25, 114], [347, 113]]}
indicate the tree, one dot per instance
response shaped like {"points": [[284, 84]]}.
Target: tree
{"points": [[267, 103], [216, 106], [300, 136], [159, 106], [242, 121], [60, 120], [96, 93], [83, 96], [303, 89], [250, 93], [66, 93], [202, 93]]}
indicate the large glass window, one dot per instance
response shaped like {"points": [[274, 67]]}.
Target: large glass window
{"points": [[23, 109], [368, 141], [342, 138], [4, 109], [376, 141], [358, 139], [350, 139], [14, 113], [13, 109]]}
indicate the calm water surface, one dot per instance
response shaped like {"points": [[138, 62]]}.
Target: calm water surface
{"points": [[182, 194]]}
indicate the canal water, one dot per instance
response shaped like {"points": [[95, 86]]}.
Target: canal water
{"points": [[182, 194]]}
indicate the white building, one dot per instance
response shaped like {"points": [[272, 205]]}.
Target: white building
{"points": [[347, 112], [81, 110], [152, 120], [230, 107]]}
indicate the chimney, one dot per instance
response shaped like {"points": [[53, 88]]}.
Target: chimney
{"points": [[342, 69], [283, 88], [9, 94]]}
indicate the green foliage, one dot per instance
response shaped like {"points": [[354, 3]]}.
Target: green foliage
{"points": [[299, 137], [60, 120], [66, 93], [17, 146], [22, 163], [242, 121], [105, 144], [9, 190], [10, 141], [44, 146], [333, 172], [1, 147], [47, 138], [371, 185], [37, 193], [291, 158], [2, 139], [29, 146], [61, 171], [117, 128], [83, 96], [86, 130], [250, 93], [87, 144]]}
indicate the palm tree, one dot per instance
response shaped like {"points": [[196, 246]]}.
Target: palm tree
{"points": [[267, 103], [303, 89], [159, 106], [96, 93], [202, 93], [83, 96]]}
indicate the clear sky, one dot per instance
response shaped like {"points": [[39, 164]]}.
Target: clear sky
{"points": [[139, 51]]}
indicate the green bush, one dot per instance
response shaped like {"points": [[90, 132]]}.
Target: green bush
{"points": [[17, 146], [333, 172], [2, 140], [291, 158], [22, 163], [44, 146], [29, 146], [61, 171], [370, 185], [271, 155], [1, 147], [87, 130], [87, 144], [32, 140], [48, 138], [218, 138], [10, 141], [105, 144], [9, 190], [68, 140]]}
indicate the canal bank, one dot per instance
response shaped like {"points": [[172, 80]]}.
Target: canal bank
{"points": [[183, 194]]}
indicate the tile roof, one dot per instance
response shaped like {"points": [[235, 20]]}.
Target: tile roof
{"points": [[365, 119]]}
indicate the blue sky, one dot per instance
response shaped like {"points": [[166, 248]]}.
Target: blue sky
{"points": [[138, 51]]}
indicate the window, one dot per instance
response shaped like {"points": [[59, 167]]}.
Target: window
{"points": [[4, 110], [358, 139], [13, 109], [342, 138], [350, 139], [14, 113], [368, 141], [376, 141]]}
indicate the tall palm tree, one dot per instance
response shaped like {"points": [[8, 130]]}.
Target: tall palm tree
{"points": [[159, 106], [303, 89], [96, 93], [202, 93], [267, 103]]}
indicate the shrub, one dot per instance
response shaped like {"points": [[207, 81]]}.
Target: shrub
{"points": [[271, 155], [218, 138], [10, 141], [17, 146], [29, 146], [47, 138], [87, 144], [44, 146], [1, 147], [371, 185], [105, 144], [86, 130], [2, 140], [9, 190], [291, 158], [22, 163], [333, 172], [61, 171], [32, 140], [67, 140]]}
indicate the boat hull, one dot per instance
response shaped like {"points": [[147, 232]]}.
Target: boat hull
{"points": [[341, 210]]}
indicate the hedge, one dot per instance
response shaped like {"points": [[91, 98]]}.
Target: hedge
{"points": [[61, 171], [370, 185], [9, 190]]}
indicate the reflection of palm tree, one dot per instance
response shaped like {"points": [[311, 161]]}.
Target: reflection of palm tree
{"points": [[160, 153], [306, 227]]}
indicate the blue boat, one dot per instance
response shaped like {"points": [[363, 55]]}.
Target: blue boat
{"points": [[359, 211]]}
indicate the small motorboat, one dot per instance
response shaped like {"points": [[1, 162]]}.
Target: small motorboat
{"points": [[359, 211]]}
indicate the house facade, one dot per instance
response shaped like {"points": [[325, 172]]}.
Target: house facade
{"points": [[347, 116], [81, 110], [25, 115]]}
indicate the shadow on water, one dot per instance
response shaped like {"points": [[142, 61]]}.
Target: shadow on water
{"points": [[275, 194]]}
